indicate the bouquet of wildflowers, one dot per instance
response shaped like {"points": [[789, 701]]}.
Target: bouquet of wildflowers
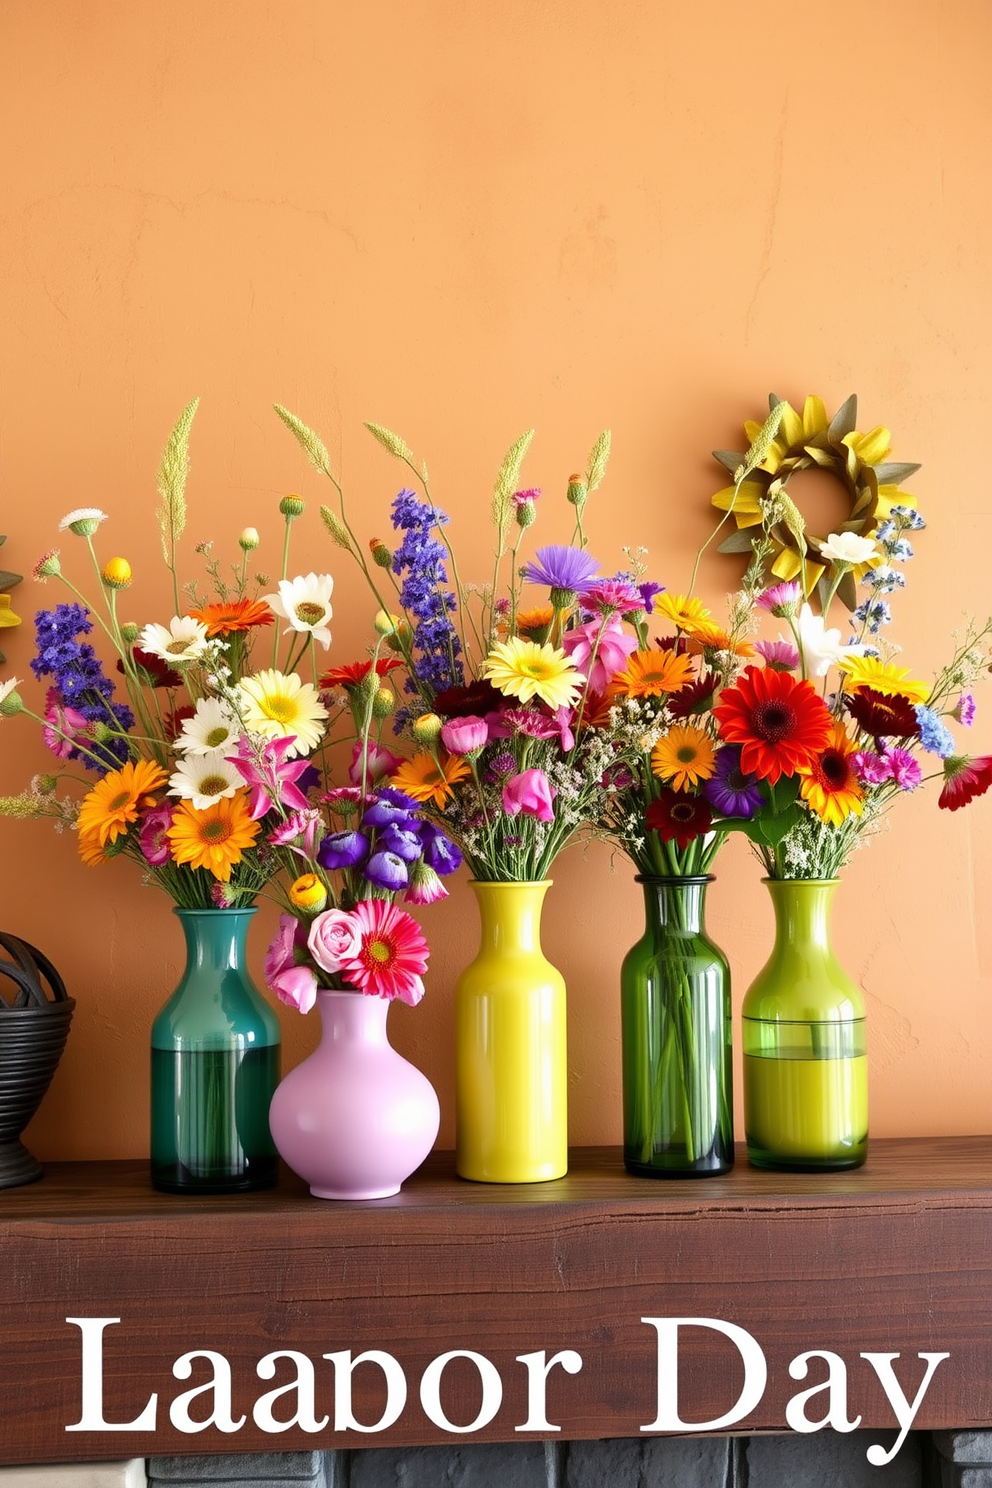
{"points": [[213, 770], [829, 733], [505, 681]]}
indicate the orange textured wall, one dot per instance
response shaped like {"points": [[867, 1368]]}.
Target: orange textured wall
{"points": [[464, 220]]}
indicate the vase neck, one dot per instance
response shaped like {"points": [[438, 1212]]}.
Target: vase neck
{"points": [[215, 938], [510, 914], [352, 1017], [676, 905], [802, 910]]}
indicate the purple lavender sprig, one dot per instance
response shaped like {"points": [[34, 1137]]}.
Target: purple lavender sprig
{"points": [[78, 675], [420, 562]]}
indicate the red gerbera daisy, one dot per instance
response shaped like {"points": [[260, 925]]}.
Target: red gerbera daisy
{"points": [[883, 717], [356, 671], [779, 722], [675, 815], [964, 779], [233, 615]]}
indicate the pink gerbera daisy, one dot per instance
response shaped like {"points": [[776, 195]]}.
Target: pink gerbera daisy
{"points": [[392, 953]]}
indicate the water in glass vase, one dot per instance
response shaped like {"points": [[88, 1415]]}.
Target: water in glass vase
{"points": [[210, 1119], [806, 1094]]}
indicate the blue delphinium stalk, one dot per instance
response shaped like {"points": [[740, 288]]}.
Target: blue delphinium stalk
{"points": [[935, 736], [420, 562], [79, 678]]}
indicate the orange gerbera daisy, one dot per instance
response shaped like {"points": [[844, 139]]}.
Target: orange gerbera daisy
{"points": [[539, 618], [90, 851], [428, 779], [233, 615], [215, 838], [652, 673], [830, 784], [684, 756], [115, 801]]}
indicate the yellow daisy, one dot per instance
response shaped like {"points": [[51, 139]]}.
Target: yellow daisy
{"points": [[883, 677], [652, 673], [428, 779], [538, 619], [523, 669], [685, 613], [213, 839], [113, 803], [278, 706], [683, 757]]}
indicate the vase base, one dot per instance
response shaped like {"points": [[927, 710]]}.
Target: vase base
{"points": [[354, 1194], [168, 1178], [776, 1164], [17, 1166], [509, 1176], [712, 1169]]}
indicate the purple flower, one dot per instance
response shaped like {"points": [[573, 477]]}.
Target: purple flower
{"points": [[384, 813], [403, 841], [343, 850], [904, 769], [729, 790], [387, 871], [80, 683], [420, 560], [781, 656], [500, 766], [440, 853], [648, 592], [781, 600], [395, 797], [569, 569], [964, 712], [870, 768]]}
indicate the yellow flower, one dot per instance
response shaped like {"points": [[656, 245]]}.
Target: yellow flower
{"points": [[278, 706], [523, 669], [117, 573], [683, 757], [685, 613], [213, 839], [308, 893], [830, 785], [7, 616], [114, 802], [530, 622], [652, 673], [883, 677], [428, 779]]}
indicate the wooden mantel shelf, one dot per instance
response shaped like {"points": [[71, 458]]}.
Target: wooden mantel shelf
{"points": [[894, 1258]]}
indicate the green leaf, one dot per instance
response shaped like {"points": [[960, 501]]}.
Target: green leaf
{"points": [[729, 459], [737, 542], [507, 480], [310, 443], [847, 591], [391, 442], [596, 468], [893, 472], [845, 420], [8, 579], [171, 483], [771, 829]]}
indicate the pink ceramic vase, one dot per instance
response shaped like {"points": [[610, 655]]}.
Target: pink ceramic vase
{"points": [[355, 1118]]}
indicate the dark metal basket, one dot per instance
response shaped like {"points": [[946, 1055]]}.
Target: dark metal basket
{"points": [[35, 1013]]}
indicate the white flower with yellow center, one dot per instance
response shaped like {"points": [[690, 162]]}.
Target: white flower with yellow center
{"points": [[306, 604], [278, 706], [202, 779], [184, 640], [212, 727]]}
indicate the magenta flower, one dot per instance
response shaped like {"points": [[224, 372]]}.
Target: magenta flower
{"points": [[781, 656], [282, 947], [870, 768], [63, 725], [391, 954], [531, 793], [465, 735], [155, 846], [298, 832], [333, 938], [782, 600], [610, 595], [610, 643], [269, 775], [379, 761], [964, 711], [904, 768]]}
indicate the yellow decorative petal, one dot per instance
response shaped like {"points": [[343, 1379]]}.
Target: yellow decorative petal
{"points": [[791, 428], [870, 448], [815, 420]]}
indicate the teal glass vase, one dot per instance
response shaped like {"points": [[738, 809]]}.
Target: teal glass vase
{"points": [[215, 1066], [676, 1029]]}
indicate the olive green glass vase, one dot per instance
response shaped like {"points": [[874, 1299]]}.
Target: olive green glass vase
{"points": [[805, 1056]]}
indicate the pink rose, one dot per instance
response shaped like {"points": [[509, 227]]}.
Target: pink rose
{"points": [[335, 936], [532, 793], [296, 987], [465, 735]]}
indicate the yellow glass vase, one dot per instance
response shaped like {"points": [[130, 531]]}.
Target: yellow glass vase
{"points": [[511, 1072]]}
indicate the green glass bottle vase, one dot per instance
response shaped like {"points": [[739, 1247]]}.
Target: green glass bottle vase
{"points": [[676, 1039], [805, 1056], [215, 1066]]}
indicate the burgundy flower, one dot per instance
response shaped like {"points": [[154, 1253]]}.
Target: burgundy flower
{"points": [[881, 716], [679, 817]]}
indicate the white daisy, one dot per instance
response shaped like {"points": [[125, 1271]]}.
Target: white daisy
{"points": [[848, 547], [183, 641], [212, 727], [306, 604], [83, 521], [203, 779]]}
